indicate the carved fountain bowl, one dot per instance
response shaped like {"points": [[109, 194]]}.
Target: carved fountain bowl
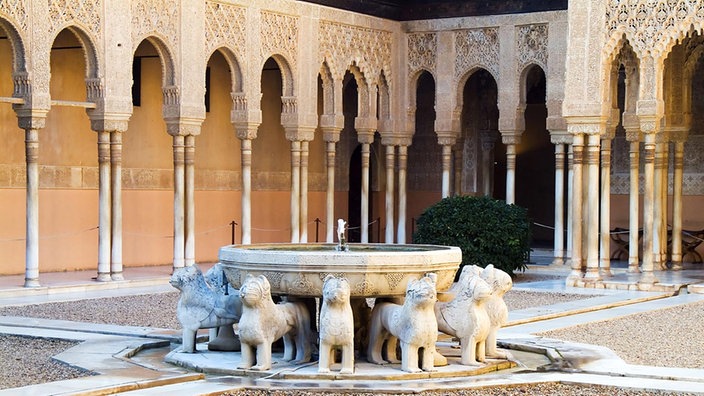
{"points": [[373, 270]]}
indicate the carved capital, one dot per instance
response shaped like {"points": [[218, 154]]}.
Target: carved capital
{"points": [[299, 133], [183, 126]]}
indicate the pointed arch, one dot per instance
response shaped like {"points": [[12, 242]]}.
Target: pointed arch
{"points": [[328, 98], [236, 76], [168, 68], [288, 88], [461, 82], [93, 66]]}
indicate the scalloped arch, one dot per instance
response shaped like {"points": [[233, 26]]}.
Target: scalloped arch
{"points": [[17, 45], [93, 67], [286, 73], [236, 75]]}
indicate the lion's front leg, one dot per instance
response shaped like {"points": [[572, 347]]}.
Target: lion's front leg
{"points": [[469, 348], [325, 360], [188, 342], [247, 356], [481, 351], [491, 349], [428, 358], [409, 358], [263, 357], [391, 345], [347, 359], [289, 347]]}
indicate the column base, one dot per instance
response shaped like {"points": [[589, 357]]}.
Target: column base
{"points": [[31, 283], [606, 273], [558, 261], [592, 275], [676, 265], [633, 266], [103, 277], [647, 278], [117, 276]]}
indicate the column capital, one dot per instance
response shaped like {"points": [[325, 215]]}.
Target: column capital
{"points": [[679, 134], [511, 137], [590, 125], [246, 130], [31, 118], [299, 133], [560, 137], [183, 126], [109, 122]]}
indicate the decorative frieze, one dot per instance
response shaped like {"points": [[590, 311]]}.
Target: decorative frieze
{"points": [[370, 48], [477, 48], [279, 35], [158, 17], [225, 25], [85, 13], [422, 52], [15, 12], [532, 45]]}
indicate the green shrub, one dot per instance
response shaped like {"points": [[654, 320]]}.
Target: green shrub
{"points": [[488, 231]]}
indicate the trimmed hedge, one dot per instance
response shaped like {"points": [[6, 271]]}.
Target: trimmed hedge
{"points": [[488, 231]]}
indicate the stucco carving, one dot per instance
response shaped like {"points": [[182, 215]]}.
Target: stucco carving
{"points": [[87, 13], [532, 45], [422, 51], [158, 17], [279, 35], [16, 11], [225, 25], [477, 48], [369, 48]]}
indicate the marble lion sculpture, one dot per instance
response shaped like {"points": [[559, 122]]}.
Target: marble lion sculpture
{"points": [[228, 305], [336, 325], [500, 283], [264, 322], [465, 316], [413, 324], [199, 306]]}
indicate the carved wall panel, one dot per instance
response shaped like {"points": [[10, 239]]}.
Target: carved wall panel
{"points": [[155, 17], [86, 13], [422, 52], [532, 45], [225, 25], [477, 48], [371, 48], [279, 35], [16, 12]]}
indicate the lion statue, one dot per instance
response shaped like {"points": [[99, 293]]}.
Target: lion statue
{"points": [[228, 304], [465, 315], [500, 283], [336, 325], [413, 324], [199, 306], [264, 322]]}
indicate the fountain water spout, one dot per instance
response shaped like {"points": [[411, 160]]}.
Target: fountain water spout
{"points": [[341, 240]]}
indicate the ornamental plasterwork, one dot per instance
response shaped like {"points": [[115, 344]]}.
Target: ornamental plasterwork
{"points": [[87, 13], [279, 35], [422, 51], [649, 23], [225, 25], [155, 16], [532, 45], [345, 43], [16, 11], [477, 47]]}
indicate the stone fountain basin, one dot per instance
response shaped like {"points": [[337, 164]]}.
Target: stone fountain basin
{"points": [[373, 269]]}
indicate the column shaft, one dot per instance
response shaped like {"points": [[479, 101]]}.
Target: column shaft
{"points": [[190, 206], [330, 193], [402, 159], [304, 192], [677, 205], [31, 145], [577, 158], [104, 226], [592, 221], [246, 225], [633, 218], [657, 207], [510, 173], [605, 213], [390, 162], [295, 190], [647, 276], [570, 207], [559, 245], [364, 221], [446, 165], [178, 148], [116, 190]]}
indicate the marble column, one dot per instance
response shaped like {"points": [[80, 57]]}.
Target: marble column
{"points": [[487, 138], [189, 197], [304, 192], [104, 206], [647, 275], [390, 192], [330, 193], [295, 190], [402, 166], [663, 202], [116, 201], [577, 159], [570, 178], [592, 214], [446, 168], [634, 201], [246, 224], [677, 204], [31, 145], [179, 192], [657, 205], [605, 213], [364, 212], [559, 244], [510, 173], [457, 177]]}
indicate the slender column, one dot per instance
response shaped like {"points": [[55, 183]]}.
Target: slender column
{"points": [[559, 245], [178, 148], [577, 158], [446, 165], [31, 145], [304, 192], [457, 178], [605, 213], [330, 193], [295, 190], [634, 198], [190, 206], [663, 205], [657, 206], [104, 226], [402, 159], [246, 149], [510, 173], [487, 140], [570, 208], [647, 276], [677, 205], [390, 162], [116, 190], [592, 221], [364, 221]]}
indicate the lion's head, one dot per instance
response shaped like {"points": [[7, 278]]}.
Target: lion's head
{"points": [[255, 290], [421, 292], [336, 290], [186, 277]]}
